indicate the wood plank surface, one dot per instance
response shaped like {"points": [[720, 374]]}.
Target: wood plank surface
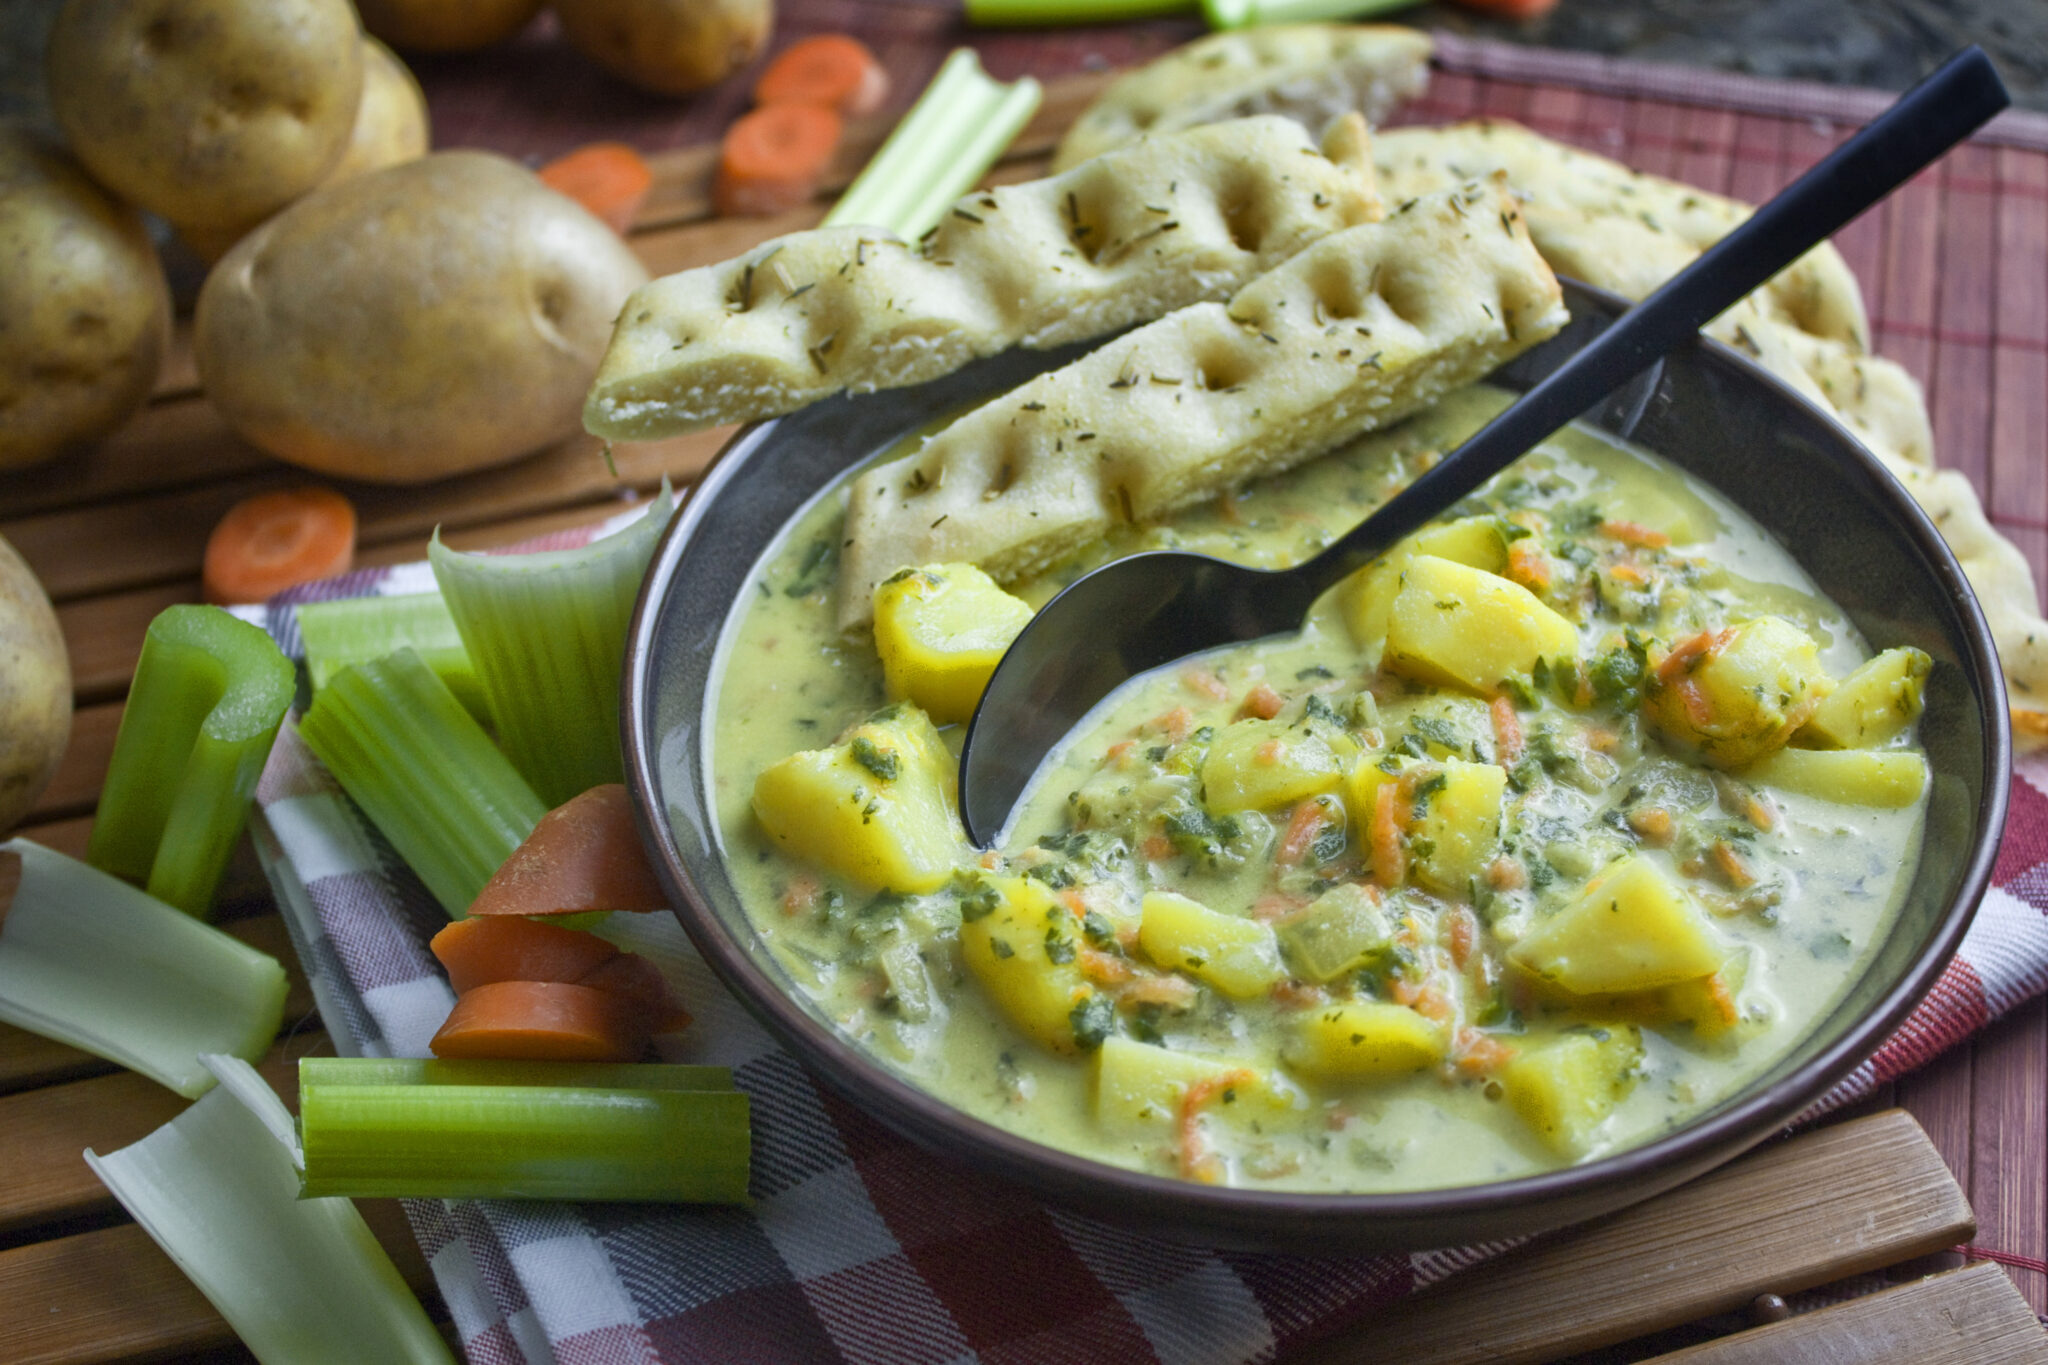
{"points": [[1971, 1316], [1808, 1211]]}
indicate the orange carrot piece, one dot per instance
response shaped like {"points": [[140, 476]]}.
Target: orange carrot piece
{"points": [[477, 952], [1174, 992], [1480, 1053], [1507, 733], [830, 69], [1462, 933], [773, 159], [1389, 858], [1655, 825], [1731, 865], [583, 855], [639, 984], [1302, 828], [1262, 702], [1512, 9], [1205, 681], [1634, 533], [278, 540], [540, 1021], [1104, 969], [608, 178], [1528, 566], [1196, 1161]]}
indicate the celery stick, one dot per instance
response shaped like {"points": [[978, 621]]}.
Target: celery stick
{"points": [[547, 633], [1037, 13], [940, 150], [208, 694], [365, 1135], [353, 630], [89, 960], [300, 1280], [433, 1071], [424, 772]]}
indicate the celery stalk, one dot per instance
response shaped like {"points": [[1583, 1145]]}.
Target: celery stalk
{"points": [[547, 633], [352, 630], [368, 1128], [208, 694], [87, 959], [433, 1071], [940, 150], [424, 772], [300, 1280], [1038, 13]]}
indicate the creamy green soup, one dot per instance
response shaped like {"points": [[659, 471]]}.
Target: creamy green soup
{"points": [[1545, 834]]}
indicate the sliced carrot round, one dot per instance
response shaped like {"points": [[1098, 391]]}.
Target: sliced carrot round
{"points": [[585, 854], [278, 540], [541, 1021], [773, 159], [831, 69], [608, 178], [477, 952]]}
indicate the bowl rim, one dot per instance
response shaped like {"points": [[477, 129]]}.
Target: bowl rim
{"points": [[935, 1125]]}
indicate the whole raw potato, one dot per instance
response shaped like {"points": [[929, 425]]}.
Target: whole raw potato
{"points": [[390, 127], [445, 25], [35, 689], [208, 112], [84, 313], [668, 46], [424, 320]]}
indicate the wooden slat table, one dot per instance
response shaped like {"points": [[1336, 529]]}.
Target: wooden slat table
{"points": [[116, 535]]}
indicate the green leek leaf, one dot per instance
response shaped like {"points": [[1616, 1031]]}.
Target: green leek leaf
{"points": [[87, 959], [302, 1281]]}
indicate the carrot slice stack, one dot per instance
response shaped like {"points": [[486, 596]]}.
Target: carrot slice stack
{"points": [[583, 855], [541, 1021], [278, 540], [830, 69], [774, 159]]}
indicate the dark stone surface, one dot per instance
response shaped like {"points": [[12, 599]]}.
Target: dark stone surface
{"points": [[1885, 44]]}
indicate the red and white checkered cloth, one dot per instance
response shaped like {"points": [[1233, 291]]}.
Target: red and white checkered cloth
{"points": [[860, 1246]]}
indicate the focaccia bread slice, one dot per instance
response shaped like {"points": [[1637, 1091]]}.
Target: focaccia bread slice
{"points": [[1360, 330], [1164, 222], [1310, 72], [1622, 230]]}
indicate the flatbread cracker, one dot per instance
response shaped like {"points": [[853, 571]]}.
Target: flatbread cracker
{"points": [[1621, 230], [1310, 72], [1358, 331], [1123, 239]]}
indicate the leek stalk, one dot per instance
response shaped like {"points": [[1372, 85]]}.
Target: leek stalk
{"points": [[300, 1280], [424, 772], [208, 695], [547, 633], [87, 959], [941, 149], [354, 630], [1223, 14], [522, 1130]]}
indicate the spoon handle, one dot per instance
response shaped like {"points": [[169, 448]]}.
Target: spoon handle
{"points": [[1894, 147]]}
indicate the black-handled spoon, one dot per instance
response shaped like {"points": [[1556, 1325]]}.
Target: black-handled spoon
{"points": [[1139, 613]]}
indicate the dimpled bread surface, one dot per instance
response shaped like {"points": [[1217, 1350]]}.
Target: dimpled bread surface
{"points": [[1310, 72], [1162, 223], [1362, 329]]}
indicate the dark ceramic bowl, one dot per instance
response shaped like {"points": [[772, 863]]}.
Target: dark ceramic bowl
{"points": [[1793, 469]]}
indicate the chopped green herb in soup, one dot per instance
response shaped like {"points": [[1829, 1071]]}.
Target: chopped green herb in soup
{"points": [[1551, 828]]}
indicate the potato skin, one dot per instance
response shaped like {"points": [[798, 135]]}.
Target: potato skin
{"points": [[84, 311], [424, 320], [208, 112], [390, 127], [445, 25], [668, 46], [35, 689]]}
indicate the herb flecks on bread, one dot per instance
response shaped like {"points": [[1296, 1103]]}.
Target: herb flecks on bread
{"points": [[1360, 330], [1312, 73], [1129, 237]]}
